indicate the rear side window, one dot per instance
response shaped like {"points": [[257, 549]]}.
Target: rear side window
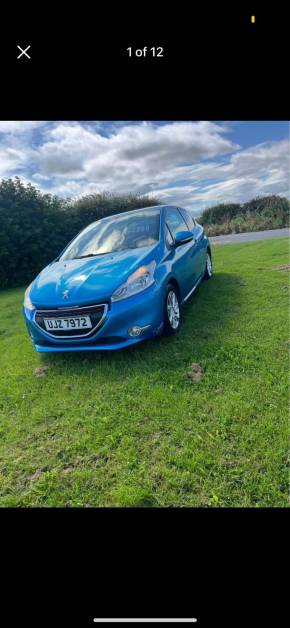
{"points": [[188, 219], [175, 221]]}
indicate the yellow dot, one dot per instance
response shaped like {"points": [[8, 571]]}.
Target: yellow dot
{"points": [[253, 19]]}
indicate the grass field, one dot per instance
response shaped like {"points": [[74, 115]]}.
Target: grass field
{"points": [[130, 428]]}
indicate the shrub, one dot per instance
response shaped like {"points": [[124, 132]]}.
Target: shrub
{"points": [[268, 212], [219, 214]]}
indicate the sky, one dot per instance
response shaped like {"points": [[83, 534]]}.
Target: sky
{"points": [[192, 164]]}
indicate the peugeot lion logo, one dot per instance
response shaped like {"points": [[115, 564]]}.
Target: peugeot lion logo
{"points": [[65, 294]]}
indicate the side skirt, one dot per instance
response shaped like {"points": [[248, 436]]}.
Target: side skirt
{"points": [[192, 290]]}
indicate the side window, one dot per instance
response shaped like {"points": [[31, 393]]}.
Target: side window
{"points": [[192, 222], [188, 219], [175, 221]]}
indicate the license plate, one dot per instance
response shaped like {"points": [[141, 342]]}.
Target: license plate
{"points": [[77, 322]]}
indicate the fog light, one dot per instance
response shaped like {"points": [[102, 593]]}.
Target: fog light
{"points": [[136, 330]]}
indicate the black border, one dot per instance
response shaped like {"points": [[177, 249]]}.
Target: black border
{"points": [[64, 566], [216, 65]]}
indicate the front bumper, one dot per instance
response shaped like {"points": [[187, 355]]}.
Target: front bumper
{"points": [[144, 309]]}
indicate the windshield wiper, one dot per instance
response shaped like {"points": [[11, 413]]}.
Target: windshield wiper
{"points": [[89, 255]]}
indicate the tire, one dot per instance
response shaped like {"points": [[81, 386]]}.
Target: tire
{"points": [[208, 272], [172, 313]]}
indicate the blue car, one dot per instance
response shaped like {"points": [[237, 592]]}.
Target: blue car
{"points": [[121, 280]]}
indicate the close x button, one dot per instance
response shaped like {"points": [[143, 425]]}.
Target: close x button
{"points": [[23, 52]]}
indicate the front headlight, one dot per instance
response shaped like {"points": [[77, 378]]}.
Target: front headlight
{"points": [[27, 302], [137, 282]]}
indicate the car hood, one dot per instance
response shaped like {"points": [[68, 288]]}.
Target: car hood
{"points": [[88, 280]]}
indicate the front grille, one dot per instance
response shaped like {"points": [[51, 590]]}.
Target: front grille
{"points": [[96, 313]]}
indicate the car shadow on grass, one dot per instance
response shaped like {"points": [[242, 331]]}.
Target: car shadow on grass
{"points": [[206, 317]]}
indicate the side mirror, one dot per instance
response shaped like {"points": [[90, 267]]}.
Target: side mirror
{"points": [[182, 237]]}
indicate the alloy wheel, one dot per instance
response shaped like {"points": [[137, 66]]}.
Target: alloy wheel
{"points": [[173, 310], [208, 265]]}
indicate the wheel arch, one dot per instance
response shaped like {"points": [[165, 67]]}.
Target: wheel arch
{"points": [[173, 282]]}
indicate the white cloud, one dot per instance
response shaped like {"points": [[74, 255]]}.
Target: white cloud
{"points": [[189, 163], [182, 195], [134, 157], [262, 169], [19, 126], [16, 148], [11, 160]]}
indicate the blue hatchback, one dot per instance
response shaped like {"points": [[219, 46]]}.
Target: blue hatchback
{"points": [[121, 280]]}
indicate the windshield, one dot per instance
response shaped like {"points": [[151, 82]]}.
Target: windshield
{"points": [[116, 233]]}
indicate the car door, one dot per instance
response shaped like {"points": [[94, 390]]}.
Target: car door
{"points": [[199, 244], [183, 264]]}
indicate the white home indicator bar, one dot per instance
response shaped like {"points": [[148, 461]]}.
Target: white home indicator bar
{"points": [[147, 620]]}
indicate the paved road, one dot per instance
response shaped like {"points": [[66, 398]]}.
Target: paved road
{"points": [[253, 235]]}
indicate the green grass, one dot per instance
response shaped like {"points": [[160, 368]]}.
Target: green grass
{"points": [[129, 428]]}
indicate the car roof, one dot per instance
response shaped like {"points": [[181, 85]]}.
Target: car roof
{"points": [[135, 211]]}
